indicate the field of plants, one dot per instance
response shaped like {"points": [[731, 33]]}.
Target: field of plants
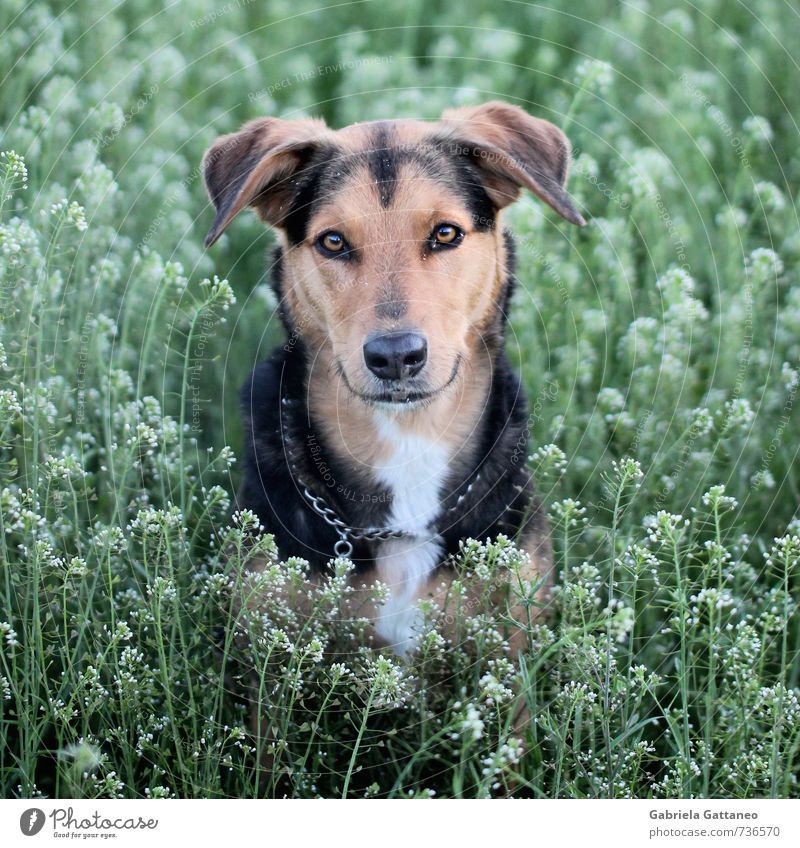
{"points": [[660, 346]]}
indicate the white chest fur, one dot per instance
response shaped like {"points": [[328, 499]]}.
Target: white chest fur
{"points": [[414, 473]]}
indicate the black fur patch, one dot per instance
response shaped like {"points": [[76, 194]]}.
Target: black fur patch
{"points": [[311, 186], [383, 161], [467, 180]]}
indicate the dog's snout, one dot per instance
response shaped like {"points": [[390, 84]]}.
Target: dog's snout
{"points": [[395, 356]]}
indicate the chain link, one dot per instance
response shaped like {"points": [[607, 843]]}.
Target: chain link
{"points": [[369, 534]]}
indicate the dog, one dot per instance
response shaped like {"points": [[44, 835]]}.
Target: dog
{"points": [[390, 426]]}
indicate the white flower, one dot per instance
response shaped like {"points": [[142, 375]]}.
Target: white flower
{"points": [[162, 589], [665, 526], [549, 459], [790, 377], [594, 75], [388, 680], [620, 622], [472, 724], [702, 421], [731, 216], [9, 404], [769, 196], [763, 479], [220, 293], [764, 264], [9, 634], [494, 691], [627, 470], [716, 498], [569, 511], [679, 21], [758, 130], [14, 166], [649, 173], [76, 215], [738, 413]]}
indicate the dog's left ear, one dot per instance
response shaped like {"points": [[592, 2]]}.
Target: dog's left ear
{"points": [[256, 166], [514, 150]]}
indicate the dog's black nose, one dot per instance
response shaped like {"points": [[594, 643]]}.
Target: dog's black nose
{"points": [[394, 356]]}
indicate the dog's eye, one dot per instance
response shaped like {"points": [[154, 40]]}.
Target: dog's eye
{"points": [[332, 243], [446, 235]]}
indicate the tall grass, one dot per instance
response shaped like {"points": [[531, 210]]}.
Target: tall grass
{"points": [[659, 347]]}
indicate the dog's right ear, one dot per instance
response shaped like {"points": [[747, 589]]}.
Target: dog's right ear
{"points": [[255, 166]]}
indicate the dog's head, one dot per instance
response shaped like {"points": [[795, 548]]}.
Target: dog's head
{"points": [[393, 262]]}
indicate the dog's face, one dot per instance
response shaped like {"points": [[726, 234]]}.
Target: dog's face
{"points": [[393, 262], [395, 266]]}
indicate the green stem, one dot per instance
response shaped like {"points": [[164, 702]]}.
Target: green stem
{"points": [[356, 747]]}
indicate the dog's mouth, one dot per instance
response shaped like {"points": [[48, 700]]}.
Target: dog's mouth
{"points": [[398, 393]]}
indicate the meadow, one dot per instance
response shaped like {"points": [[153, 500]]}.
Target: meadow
{"points": [[660, 347]]}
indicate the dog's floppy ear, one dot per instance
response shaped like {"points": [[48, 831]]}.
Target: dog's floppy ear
{"points": [[255, 166], [514, 150]]}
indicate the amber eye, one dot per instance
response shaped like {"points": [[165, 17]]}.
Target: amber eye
{"points": [[447, 234], [332, 242]]}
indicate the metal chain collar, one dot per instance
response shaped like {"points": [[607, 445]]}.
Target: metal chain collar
{"points": [[344, 546], [348, 534]]}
